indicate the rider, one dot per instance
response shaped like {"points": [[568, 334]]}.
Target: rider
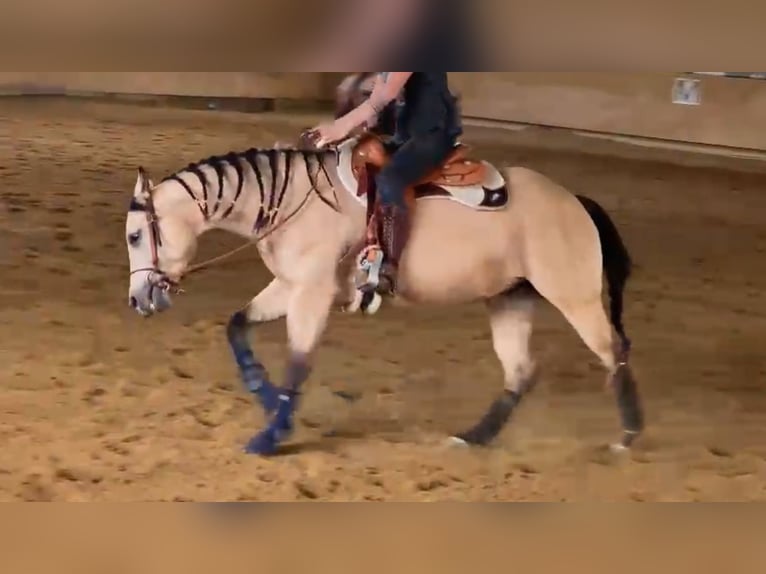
{"points": [[428, 125]]}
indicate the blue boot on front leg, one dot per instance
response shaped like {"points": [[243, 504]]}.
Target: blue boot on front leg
{"points": [[256, 381], [268, 395], [281, 428], [253, 373]]}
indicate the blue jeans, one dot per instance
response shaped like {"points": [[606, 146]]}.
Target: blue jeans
{"points": [[410, 162]]}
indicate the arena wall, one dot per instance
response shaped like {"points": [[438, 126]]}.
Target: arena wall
{"points": [[194, 84], [732, 111]]}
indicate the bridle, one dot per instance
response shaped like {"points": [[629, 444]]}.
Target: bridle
{"points": [[158, 279]]}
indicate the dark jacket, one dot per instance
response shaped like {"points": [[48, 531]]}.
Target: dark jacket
{"points": [[427, 105]]}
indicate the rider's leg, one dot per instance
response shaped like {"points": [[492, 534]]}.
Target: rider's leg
{"points": [[410, 163]]}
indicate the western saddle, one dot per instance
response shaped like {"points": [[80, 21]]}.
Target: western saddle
{"points": [[370, 156], [456, 171]]}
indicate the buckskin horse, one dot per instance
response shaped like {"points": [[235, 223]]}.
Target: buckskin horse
{"points": [[510, 238]]}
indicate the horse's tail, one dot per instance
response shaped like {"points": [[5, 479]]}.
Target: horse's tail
{"points": [[617, 263]]}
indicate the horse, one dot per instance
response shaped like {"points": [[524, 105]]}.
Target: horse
{"points": [[508, 237]]}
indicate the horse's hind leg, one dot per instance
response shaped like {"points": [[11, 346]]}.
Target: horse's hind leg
{"points": [[269, 305], [590, 321], [511, 318]]}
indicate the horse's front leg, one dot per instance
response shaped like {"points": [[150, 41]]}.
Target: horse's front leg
{"points": [[307, 312], [269, 305]]}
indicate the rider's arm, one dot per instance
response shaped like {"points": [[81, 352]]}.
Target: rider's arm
{"points": [[383, 94]]}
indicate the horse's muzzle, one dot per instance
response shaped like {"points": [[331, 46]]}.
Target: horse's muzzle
{"points": [[150, 301]]}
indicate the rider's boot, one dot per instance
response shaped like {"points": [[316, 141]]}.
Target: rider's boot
{"points": [[380, 263]]}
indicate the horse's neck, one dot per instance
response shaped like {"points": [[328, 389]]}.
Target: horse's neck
{"points": [[278, 188], [286, 183], [241, 219]]}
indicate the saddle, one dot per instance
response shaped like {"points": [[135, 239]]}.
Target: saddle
{"points": [[369, 156], [457, 170]]}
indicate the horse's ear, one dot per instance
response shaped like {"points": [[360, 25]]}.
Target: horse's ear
{"points": [[144, 185]]}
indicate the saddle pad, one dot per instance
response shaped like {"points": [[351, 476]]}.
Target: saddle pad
{"points": [[491, 195]]}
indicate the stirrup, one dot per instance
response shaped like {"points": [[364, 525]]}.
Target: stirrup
{"points": [[370, 263]]}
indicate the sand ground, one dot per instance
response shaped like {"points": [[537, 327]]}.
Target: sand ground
{"points": [[97, 404]]}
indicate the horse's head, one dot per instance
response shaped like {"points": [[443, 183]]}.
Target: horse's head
{"points": [[161, 238]]}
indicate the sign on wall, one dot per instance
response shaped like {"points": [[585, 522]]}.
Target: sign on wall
{"points": [[687, 91]]}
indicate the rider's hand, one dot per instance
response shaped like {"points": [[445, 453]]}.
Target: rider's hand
{"points": [[329, 133]]}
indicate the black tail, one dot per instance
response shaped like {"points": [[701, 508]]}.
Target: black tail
{"points": [[617, 263]]}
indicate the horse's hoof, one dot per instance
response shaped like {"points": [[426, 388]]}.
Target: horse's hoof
{"points": [[619, 448], [626, 444], [457, 442], [374, 304], [356, 304], [263, 444]]}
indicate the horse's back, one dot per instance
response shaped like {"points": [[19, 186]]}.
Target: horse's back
{"points": [[533, 186], [544, 204], [457, 252], [559, 239]]}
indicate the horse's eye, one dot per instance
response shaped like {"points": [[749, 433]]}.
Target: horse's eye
{"points": [[134, 239]]}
